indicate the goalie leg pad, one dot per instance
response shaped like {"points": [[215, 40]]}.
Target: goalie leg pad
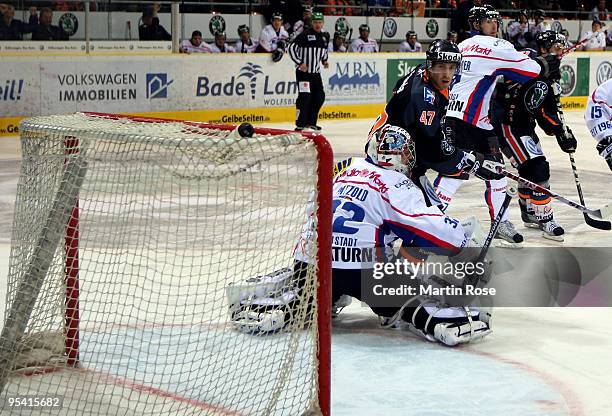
{"points": [[263, 304], [448, 325]]}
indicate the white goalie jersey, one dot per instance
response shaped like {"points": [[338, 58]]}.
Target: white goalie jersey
{"points": [[483, 60], [598, 115], [373, 207]]}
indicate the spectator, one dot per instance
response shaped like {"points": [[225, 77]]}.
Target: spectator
{"points": [[44, 30], [410, 44], [150, 29], [596, 36], [332, 10], [220, 45], [518, 31], [452, 36], [363, 43], [195, 44], [600, 12], [245, 44], [13, 29], [273, 36], [337, 44]]}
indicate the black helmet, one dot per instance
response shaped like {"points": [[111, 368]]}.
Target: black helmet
{"points": [[243, 28], [277, 15], [539, 13], [340, 35], [486, 11], [411, 34], [524, 12], [364, 27], [548, 38], [442, 50]]}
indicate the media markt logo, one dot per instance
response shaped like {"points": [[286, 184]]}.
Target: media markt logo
{"points": [[69, 23], [216, 24], [250, 71], [157, 85], [568, 79], [389, 27], [431, 28], [604, 72]]}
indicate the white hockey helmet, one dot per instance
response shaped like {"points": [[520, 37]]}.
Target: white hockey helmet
{"points": [[391, 147]]}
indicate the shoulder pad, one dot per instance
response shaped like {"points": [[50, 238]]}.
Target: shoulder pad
{"points": [[341, 166]]}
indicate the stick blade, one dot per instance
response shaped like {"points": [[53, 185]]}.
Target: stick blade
{"points": [[601, 225]]}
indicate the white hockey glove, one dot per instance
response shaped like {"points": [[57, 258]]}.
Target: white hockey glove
{"points": [[604, 148]]}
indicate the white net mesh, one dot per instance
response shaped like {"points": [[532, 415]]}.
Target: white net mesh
{"points": [[168, 216]]}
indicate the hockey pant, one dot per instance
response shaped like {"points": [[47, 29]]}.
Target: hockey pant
{"points": [[310, 98], [524, 149], [469, 138]]}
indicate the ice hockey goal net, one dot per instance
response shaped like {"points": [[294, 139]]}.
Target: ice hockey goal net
{"points": [[127, 233]]}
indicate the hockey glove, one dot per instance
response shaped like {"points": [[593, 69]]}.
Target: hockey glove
{"points": [[604, 148], [277, 55], [484, 166], [567, 141]]}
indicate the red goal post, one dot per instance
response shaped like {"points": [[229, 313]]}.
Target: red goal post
{"points": [[140, 155]]}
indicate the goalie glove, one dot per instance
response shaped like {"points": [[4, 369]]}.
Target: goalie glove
{"points": [[567, 141], [482, 166], [604, 148]]}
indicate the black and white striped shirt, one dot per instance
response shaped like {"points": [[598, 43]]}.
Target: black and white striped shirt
{"points": [[309, 48]]}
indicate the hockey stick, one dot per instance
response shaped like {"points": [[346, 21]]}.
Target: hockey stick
{"points": [[601, 213], [578, 44], [602, 225], [510, 193]]}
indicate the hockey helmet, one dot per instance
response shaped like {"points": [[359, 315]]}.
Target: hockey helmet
{"points": [[442, 51], [364, 27], [479, 13], [339, 35], [317, 17], [549, 38], [391, 147], [242, 29], [411, 34], [277, 16]]}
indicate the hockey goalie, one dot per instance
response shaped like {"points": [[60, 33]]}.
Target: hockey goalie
{"points": [[375, 206]]}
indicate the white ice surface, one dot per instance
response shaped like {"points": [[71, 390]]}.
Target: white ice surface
{"points": [[538, 361]]}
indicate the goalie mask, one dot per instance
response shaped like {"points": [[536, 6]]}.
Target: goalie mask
{"points": [[392, 148]]}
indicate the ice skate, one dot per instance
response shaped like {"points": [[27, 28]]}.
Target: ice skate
{"points": [[507, 236], [552, 231]]}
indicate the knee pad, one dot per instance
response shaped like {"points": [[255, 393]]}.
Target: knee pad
{"points": [[536, 170]]}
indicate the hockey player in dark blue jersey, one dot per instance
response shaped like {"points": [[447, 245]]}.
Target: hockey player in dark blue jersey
{"points": [[419, 105], [516, 109]]}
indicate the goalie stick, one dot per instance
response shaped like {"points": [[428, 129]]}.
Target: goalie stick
{"points": [[602, 225], [600, 213]]}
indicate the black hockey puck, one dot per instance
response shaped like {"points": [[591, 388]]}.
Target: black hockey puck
{"points": [[246, 130]]}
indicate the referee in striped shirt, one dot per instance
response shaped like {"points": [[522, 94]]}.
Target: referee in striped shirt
{"points": [[308, 51]]}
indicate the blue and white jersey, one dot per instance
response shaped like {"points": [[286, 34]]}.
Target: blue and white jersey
{"points": [[483, 59], [372, 208], [598, 115]]}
